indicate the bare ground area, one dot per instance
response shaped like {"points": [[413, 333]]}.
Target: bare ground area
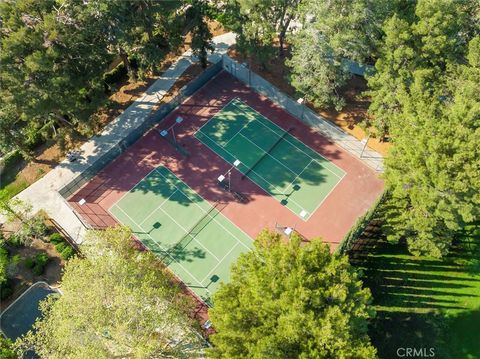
{"points": [[47, 156], [349, 118]]}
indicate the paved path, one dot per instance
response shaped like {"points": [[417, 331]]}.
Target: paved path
{"points": [[43, 194]]}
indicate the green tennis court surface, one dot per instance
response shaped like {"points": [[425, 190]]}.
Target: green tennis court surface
{"points": [[192, 237], [297, 176]]}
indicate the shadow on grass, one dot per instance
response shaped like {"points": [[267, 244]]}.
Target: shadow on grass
{"points": [[424, 302]]}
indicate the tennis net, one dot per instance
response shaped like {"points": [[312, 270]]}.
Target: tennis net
{"points": [[245, 174], [197, 227]]}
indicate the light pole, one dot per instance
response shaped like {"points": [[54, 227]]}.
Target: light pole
{"points": [[365, 142], [221, 178], [301, 101]]}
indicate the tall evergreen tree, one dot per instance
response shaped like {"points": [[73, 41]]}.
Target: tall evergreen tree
{"points": [[258, 24], [435, 38], [286, 300], [51, 60], [433, 170], [331, 33]]}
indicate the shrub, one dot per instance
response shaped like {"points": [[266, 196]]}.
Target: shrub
{"points": [[6, 348], [41, 259], [116, 75], [37, 263], [16, 240], [29, 262], [38, 269], [56, 238], [6, 289], [60, 247], [67, 252]]}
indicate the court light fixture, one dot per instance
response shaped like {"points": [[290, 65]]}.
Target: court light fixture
{"points": [[288, 231]]}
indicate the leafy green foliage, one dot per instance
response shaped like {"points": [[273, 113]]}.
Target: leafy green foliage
{"points": [[434, 39], [4, 261], [6, 348], [425, 93], [258, 23], [37, 263], [330, 34], [67, 253], [133, 308], [55, 238], [291, 300], [201, 35], [44, 84], [32, 226], [54, 55]]}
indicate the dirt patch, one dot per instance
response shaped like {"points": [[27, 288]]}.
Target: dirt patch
{"points": [[47, 156], [349, 118], [24, 276]]}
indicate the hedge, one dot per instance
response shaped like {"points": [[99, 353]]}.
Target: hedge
{"points": [[358, 228]]}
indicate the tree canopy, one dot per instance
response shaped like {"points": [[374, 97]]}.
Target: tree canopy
{"points": [[433, 171], [287, 300], [54, 54], [115, 302], [331, 33], [259, 24]]}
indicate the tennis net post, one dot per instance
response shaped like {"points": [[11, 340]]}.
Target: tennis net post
{"points": [[165, 134]]}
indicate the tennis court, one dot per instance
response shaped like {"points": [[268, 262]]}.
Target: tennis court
{"points": [[190, 235], [293, 173]]}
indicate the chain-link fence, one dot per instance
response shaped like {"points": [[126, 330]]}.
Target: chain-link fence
{"points": [[117, 148], [304, 113]]}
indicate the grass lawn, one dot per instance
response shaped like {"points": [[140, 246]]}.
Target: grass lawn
{"points": [[426, 302]]}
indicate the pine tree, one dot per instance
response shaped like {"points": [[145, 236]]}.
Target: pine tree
{"points": [[331, 33], [433, 170], [258, 24]]}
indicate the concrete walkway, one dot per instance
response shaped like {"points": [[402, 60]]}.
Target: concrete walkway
{"points": [[43, 194]]}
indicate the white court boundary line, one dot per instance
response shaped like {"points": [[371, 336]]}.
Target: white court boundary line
{"points": [[188, 234], [220, 262], [203, 199], [158, 207], [253, 119], [259, 175], [166, 251], [287, 140], [277, 126], [217, 114], [135, 186]]}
